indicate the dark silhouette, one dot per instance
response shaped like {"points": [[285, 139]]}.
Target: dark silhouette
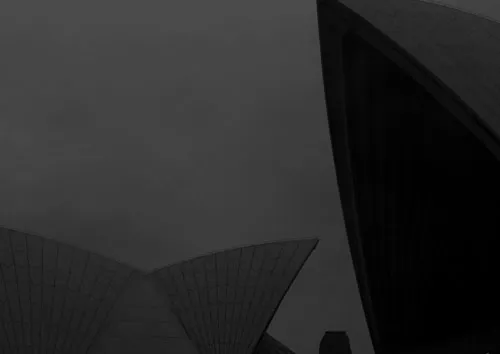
{"points": [[335, 343], [418, 172]]}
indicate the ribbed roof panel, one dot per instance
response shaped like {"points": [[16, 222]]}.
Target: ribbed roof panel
{"points": [[226, 300]]}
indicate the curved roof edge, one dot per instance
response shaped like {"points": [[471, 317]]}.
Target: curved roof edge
{"points": [[458, 50], [462, 73], [233, 248], [227, 300], [63, 287], [264, 274], [461, 9], [70, 245], [458, 73]]}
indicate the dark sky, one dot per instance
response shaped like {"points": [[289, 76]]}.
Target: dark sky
{"points": [[153, 131]]}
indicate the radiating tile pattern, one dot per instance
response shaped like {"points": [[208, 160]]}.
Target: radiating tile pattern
{"points": [[54, 298], [59, 299], [226, 300], [142, 322], [270, 345]]}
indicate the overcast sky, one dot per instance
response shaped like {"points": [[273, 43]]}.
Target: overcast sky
{"points": [[152, 131]]}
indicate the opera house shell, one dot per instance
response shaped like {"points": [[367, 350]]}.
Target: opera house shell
{"points": [[412, 91], [56, 298], [413, 99]]}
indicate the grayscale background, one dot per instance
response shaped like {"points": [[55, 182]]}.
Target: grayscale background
{"points": [[153, 131]]}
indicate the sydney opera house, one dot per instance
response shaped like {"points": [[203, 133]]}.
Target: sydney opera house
{"points": [[413, 99], [412, 92], [59, 299]]}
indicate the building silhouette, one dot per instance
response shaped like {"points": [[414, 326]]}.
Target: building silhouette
{"points": [[57, 298], [413, 106]]}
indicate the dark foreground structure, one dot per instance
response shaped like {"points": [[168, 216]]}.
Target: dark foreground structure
{"points": [[55, 298], [335, 342], [413, 101]]}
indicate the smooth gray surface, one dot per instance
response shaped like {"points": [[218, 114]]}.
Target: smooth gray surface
{"points": [[160, 130]]}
